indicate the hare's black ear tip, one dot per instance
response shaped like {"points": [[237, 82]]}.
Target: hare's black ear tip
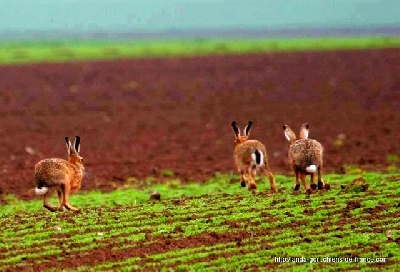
{"points": [[284, 127], [77, 137], [233, 123], [66, 138], [306, 125], [250, 122]]}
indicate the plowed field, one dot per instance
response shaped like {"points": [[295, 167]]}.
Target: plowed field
{"points": [[139, 117], [170, 118]]}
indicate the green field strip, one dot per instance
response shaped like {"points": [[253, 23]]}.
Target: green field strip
{"points": [[90, 239], [72, 50], [71, 247], [129, 263], [316, 201], [92, 245], [191, 254], [223, 182], [390, 224], [196, 254], [85, 231], [329, 242], [328, 248], [244, 253], [237, 262], [12, 260], [341, 202], [263, 217], [182, 253], [335, 250], [161, 209], [158, 220], [282, 237], [263, 258], [198, 257], [178, 254], [127, 197], [81, 255]]}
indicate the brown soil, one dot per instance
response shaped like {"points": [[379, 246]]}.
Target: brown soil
{"points": [[139, 117]]}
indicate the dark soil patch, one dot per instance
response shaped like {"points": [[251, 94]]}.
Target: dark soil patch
{"points": [[352, 204], [377, 209], [309, 211]]}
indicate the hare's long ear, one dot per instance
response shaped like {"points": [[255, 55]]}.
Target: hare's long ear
{"points": [[304, 131], [77, 143], [289, 134], [68, 145], [235, 129], [246, 130]]}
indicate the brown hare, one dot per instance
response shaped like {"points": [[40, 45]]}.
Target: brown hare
{"points": [[305, 157], [59, 175], [250, 156]]}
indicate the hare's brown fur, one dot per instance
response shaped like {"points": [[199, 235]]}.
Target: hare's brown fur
{"points": [[305, 157], [246, 165], [62, 176]]}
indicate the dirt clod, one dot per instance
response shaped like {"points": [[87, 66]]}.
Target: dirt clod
{"points": [[353, 204], [307, 240], [178, 229]]}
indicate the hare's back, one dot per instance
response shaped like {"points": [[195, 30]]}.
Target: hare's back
{"points": [[51, 167], [306, 151], [247, 148]]}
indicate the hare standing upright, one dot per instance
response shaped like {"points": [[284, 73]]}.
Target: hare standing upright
{"points": [[250, 156], [305, 157], [59, 175]]}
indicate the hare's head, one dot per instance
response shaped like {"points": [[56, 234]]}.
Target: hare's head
{"points": [[73, 150], [241, 138], [291, 136]]}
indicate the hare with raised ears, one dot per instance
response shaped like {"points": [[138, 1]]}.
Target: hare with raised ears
{"points": [[250, 156], [61, 176], [305, 157]]}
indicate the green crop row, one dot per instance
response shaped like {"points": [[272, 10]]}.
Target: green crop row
{"points": [[345, 220], [72, 50]]}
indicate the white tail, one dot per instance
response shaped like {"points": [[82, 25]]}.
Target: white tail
{"points": [[41, 191], [311, 169], [258, 158]]}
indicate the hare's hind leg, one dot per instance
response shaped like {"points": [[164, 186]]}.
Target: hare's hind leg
{"points": [[242, 178], [303, 180], [46, 203], [297, 182], [271, 178], [320, 181], [250, 173], [60, 200], [66, 188], [313, 185]]}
